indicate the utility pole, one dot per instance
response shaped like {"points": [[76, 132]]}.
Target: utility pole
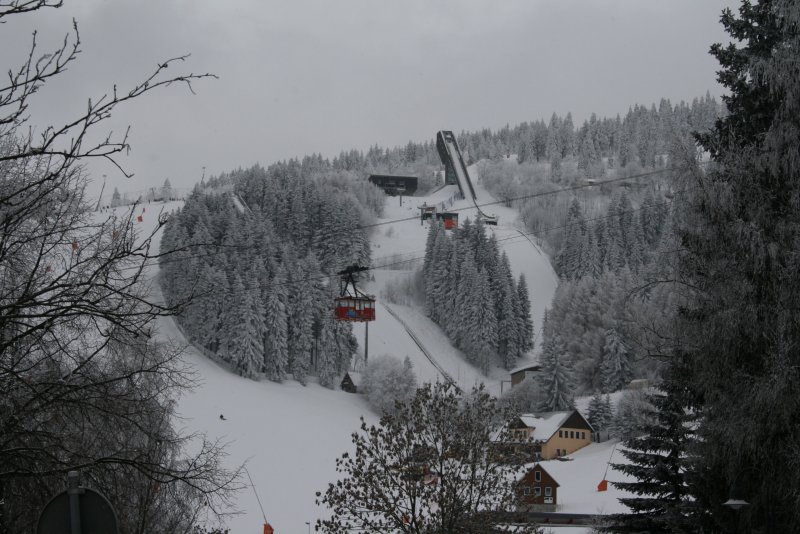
{"points": [[366, 342]]}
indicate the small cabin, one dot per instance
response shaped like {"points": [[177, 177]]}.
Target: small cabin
{"points": [[355, 309], [395, 185], [448, 218], [537, 490], [523, 373], [351, 382]]}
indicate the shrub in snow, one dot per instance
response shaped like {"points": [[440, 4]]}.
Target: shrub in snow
{"points": [[388, 380]]}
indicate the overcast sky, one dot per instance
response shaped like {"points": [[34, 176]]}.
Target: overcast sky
{"points": [[303, 76]]}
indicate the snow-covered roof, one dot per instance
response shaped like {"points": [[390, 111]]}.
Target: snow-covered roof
{"points": [[545, 424], [529, 367], [355, 377]]}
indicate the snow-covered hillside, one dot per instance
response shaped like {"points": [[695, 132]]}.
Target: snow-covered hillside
{"points": [[289, 435]]}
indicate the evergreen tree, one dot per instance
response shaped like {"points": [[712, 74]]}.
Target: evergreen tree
{"points": [[166, 190], [569, 259], [660, 464], [739, 237], [567, 134], [276, 349], [525, 328], [555, 379], [607, 413], [616, 372], [598, 415], [249, 345], [300, 320], [483, 342]]}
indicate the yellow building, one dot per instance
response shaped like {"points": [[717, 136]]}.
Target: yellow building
{"points": [[552, 434]]}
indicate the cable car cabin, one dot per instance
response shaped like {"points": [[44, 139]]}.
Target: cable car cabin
{"points": [[355, 309], [490, 219], [449, 218], [426, 212]]}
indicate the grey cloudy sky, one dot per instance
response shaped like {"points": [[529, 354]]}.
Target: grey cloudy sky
{"points": [[303, 76]]}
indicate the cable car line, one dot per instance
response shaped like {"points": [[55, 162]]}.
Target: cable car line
{"points": [[523, 235], [414, 218], [319, 278]]}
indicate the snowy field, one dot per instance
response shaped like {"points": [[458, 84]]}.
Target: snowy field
{"points": [[289, 435]]}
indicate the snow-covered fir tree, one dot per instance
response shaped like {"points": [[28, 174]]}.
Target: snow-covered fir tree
{"points": [[600, 414], [276, 342], [660, 464], [616, 373], [555, 380]]}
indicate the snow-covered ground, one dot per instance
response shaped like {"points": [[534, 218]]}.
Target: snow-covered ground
{"points": [[289, 435], [578, 479]]}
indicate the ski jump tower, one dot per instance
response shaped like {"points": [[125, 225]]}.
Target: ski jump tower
{"points": [[455, 171]]}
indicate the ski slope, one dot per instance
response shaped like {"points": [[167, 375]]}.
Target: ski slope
{"points": [[404, 241], [288, 435]]}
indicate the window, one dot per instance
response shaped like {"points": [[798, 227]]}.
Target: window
{"points": [[537, 476], [537, 491], [548, 491], [583, 435], [560, 433], [558, 452], [572, 434], [526, 490]]}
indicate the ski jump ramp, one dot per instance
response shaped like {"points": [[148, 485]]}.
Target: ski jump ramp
{"points": [[456, 171]]}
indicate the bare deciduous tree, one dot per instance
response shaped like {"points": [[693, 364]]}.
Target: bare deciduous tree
{"points": [[82, 384]]}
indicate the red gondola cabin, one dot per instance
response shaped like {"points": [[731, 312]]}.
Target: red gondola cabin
{"points": [[356, 309], [450, 219]]}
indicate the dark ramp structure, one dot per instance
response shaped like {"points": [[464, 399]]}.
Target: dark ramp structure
{"points": [[395, 185], [455, 171]]}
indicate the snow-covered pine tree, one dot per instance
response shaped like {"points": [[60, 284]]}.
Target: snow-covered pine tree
{"points": [[739, 237], [483, 331], [328, 354], [596, 413], [467, 298], [590, 264], [525, 328], [233, 329], [613, 240], [300, 319], [607, 413], [508, 336], [248, 346], [616, 371], [276, 348], [555, 380], [659, 461], [568, 262]]}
